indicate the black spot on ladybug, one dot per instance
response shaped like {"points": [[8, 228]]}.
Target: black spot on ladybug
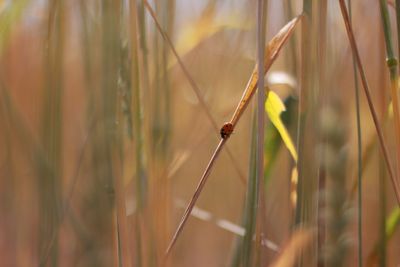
{"points": [[226, 130]]}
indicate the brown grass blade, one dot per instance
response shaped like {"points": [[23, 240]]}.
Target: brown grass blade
{"points": [[271, 53], [300, 241], [364, 82], [193, 85], [272, 50], [196, 195]]}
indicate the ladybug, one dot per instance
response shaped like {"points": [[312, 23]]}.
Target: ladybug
{"points": [[226, 130]]}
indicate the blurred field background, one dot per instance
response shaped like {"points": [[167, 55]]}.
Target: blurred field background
{"points": [[103, 140]]}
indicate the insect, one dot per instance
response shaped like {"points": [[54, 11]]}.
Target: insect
{"points": [[226, 130]]}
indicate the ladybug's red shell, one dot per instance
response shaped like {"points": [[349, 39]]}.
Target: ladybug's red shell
{"points": [[226, 130]]}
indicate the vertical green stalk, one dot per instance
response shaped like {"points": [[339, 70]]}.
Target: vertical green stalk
{"points": [[307, 171], [250, 211], [163, 186], [140, 90], [392, 64], [359, 155], [100, 196], [110, 103], [124, 112], [335, 158], [87, 55], [109, 64], [304, 82], [124, 79], [367, 92], [291, 57], [137, 110], [160, 115], [398, 24], [261, 24], [156, 121], [322, 62], [306, 136], [381, 246], [142, 36], [97, 220], [260, 90], [50, 176]]}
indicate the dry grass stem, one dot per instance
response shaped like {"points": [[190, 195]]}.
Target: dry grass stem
{"points": [[365, 85]]}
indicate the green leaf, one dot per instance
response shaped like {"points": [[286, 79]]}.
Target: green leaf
{"points": [[274, 107], [391, 222]]}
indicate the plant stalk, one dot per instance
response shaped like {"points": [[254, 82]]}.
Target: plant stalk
{"points": [[381, 139]]}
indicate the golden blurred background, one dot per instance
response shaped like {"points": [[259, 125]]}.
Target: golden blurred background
{"points": [[103, 139]]}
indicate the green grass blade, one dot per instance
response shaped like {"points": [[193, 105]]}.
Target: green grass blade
{"points": [[250, 211], [359, 157]]}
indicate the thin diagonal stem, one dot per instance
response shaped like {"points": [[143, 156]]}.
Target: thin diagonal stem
{"points": [[274, 46], [359, 154], [383, 147], [194, 86], [196, 195]]}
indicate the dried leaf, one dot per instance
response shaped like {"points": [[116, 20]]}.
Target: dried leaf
{"points": [[271, 53]]}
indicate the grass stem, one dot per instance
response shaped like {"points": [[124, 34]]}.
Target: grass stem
{"points": [[359, 155], [381, 139], [392, 64]]}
